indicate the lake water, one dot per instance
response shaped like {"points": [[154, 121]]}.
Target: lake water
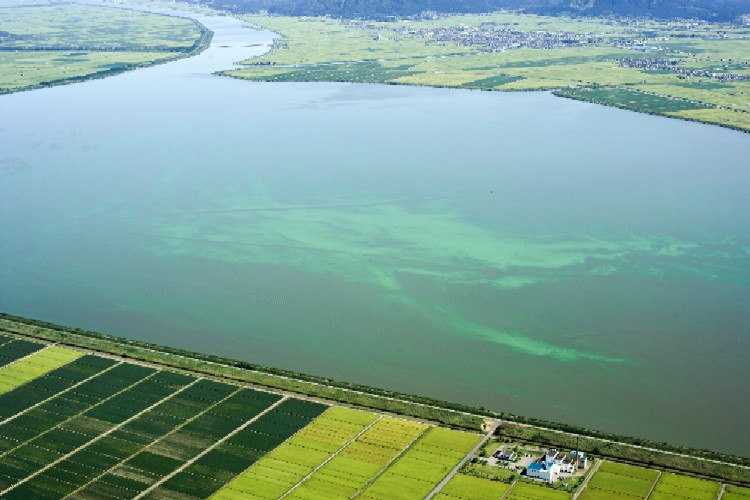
{"points": [[519, 251]]}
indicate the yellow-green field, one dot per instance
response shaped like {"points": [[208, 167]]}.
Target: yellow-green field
{"points": [[534, 491], [472, 488], [410, 53], [55, 44], [35, 365], [291, 462], [672, 486], [418, 470], [619, 481], [736, 493], [351, 470]]}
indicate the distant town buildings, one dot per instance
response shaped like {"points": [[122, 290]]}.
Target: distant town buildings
{"points": [[673, 65]]}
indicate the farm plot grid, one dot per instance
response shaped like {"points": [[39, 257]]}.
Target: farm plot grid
{"points": [[82, 426], [533, 491], [620, 482], [671, 486], [467, 487], [25, 369], [11, 349], [419, 469], [90, 427]]}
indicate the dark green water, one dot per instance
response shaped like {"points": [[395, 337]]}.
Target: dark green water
{"points": [[518, 251]]}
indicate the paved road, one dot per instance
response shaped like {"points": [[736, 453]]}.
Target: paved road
{"points": [[446, 479]]}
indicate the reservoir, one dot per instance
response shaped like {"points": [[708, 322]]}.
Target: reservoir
{"points": [[521, 252]]}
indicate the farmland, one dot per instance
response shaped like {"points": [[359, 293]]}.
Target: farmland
{"points": [[44, 45], [472, 488], [82, 425], [736, 493], [11, 349], [36, 364], [417, 472], [678, 69], [90, 427], [532, 491], [614, 480], [672, 485]]}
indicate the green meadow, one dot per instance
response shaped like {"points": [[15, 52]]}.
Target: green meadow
{"points": [[412, 53], [44, 45]]}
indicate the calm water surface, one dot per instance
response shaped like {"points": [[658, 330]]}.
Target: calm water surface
{"points": [[518, 251]]}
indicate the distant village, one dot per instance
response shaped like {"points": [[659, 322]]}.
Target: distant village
{"points": [[673, 65], [497, 37]]}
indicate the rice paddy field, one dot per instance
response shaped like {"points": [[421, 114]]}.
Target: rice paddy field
{"points": [[736, 493], [672, 486], [533, 491], [51, 44], [86, 426], [467, 487], [704, 78], [620, 481], [74, 424]]}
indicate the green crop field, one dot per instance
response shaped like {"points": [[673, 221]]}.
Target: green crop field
{"points": [[290, 463], [481, 52], [88, 426], [11, 350], [533, 491], [672, 486], [736, 493], [81, 425], [425, 464], [51, 44], [472, 488], [357, 464], [35, 365], [614, 480]]}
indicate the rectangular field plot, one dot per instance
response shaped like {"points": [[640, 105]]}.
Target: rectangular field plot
{"points": [[288, 464], [472, 488], [28, 459], [57, 410], [36, 365], [84, 466], [189, 424], [351, 470], [51, 384], [531, 491], [736, 493], [671, 486], [424, 465], [11, 349], [619, 481], [219, 466]]}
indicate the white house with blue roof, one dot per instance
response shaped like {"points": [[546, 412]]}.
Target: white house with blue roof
{"points": [[547, 471]]}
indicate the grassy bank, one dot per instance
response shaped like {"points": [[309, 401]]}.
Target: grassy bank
{"points": [[675, 69], [49, 45], [663, 455]]}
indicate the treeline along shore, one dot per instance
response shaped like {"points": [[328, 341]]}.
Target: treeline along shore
{"points": [[704, 463]]}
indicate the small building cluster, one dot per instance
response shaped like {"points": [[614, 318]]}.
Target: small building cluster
{"points": [[505, 455], [553, 463]]}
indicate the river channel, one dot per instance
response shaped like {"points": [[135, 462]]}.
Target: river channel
{"points": [[519, 251]]}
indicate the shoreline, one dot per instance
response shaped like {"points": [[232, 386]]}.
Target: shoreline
{"points": [[200, 45], [732, 469]]}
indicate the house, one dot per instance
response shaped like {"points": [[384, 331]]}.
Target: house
{"points": [[505, 455], [580, 458], [567, 463], [547, 471]]}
